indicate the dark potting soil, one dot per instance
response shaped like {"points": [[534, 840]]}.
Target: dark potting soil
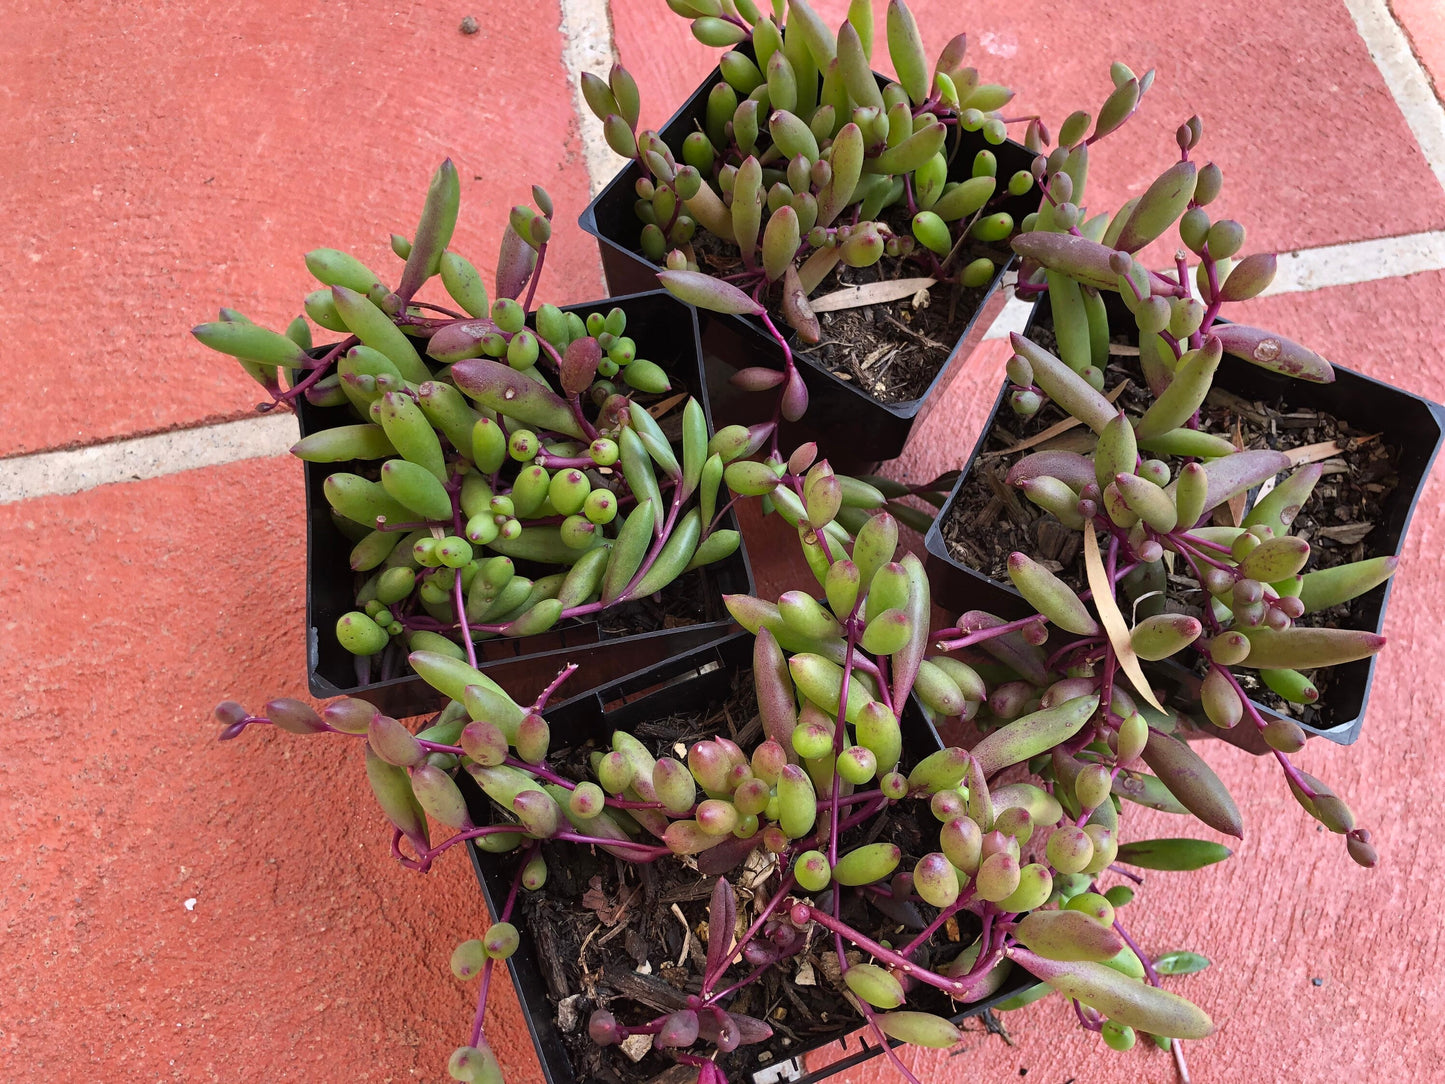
{"points": [[991, 519], [633, 938], [891, 350]]}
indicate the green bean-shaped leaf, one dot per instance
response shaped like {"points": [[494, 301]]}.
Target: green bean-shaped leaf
{"points": [[1172, 854], [411, 433], [392, 787], [1064, 386], [1071, 321], [1274, 352], [628, 551], [912, 153], [1278, 508], [1031, 735], [747, 207], [905, 49], [1328, 587], [1116, 452], [694, 448], [344, 443], [856, 69], [434, 231], [815, 33], [243, 339], [373, 327], [1193, 782], [709, 293], [1050, 596], [653, 439], [780, 242], [1158, 208], [677, 553], [498, 386], [1122, 999], [1193, 377], [1068, 935], [1301, 648]]}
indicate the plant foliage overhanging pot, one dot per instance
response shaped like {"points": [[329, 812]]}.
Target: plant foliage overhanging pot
{"points": [[852, 428], [668, 331], [692, 681], [1414, 424]]}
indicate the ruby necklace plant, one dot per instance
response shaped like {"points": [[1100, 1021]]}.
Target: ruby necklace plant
{"points": [[802, 152], [828, 762], [480, 441], [1024, 858]]}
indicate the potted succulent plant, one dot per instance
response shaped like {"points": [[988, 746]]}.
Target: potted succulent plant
{"points": [[1198, 397], [800, 813], [793, 783], [488, 469], [805, 800], [795, 170]]}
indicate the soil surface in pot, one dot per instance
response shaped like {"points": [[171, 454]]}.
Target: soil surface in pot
{"points": [[633, 938], [991, 519], [891, 350]]}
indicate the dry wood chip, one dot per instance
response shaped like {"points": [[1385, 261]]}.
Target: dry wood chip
{"points": [[657, 410], [636, 1047], [872, 293], [1238, 502], [1053, 430], [877, 355], [686, 934], [1347, 533]]}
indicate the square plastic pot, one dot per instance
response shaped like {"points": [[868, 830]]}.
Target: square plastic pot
{"points": [[1414, 424], [699, 678], [852, 429], [667, 330]]}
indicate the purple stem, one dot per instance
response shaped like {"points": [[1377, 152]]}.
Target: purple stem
{"points": [[536, 275], [506, 916], [546, 694], [1149, 972], [969, 637], [647, 853], [714, 974], [460, 603], [890, 956]]}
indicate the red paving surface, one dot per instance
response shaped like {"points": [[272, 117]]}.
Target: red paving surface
{"points": [[184, 156]]}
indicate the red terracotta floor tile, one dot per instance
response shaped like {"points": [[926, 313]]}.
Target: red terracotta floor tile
{"points": [[307, 955], [131, 609], [1426, 30], [169, 160]]}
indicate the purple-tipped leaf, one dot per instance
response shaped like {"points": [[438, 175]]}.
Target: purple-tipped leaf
{"points": [[1274, 352], [579, 364], [709, 293], [515, 260], [721, 919]]}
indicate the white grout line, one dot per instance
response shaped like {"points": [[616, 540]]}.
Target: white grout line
{"points": [[48, 474], [587, 46], [1358, 261], [52, 474], [1390, 49]]}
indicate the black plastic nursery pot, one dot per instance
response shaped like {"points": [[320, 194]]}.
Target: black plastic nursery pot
{"points": [[1412, 424], [667, 331], [701, 678], [853, 429]]}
